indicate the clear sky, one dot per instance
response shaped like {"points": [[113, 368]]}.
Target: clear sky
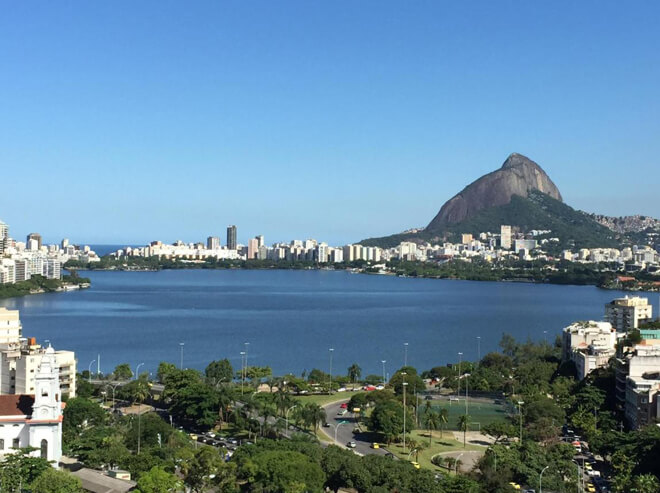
{"points": [[123, 122]]}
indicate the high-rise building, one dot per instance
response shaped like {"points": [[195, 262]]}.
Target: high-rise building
{"points": [[34, 236], [253, 248], [505, 237], [65, 243], [231, 237], [212, 243], [4, 236], [260, 240], [625, 313]]}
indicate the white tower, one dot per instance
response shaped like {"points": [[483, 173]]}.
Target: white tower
{"points": [[46, 421]]}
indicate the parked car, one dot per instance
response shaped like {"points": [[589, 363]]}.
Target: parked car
{"points": [[351, 444], [375, 445]]}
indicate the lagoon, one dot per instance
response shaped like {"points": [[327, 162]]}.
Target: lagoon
{"points": [[292, 318]]}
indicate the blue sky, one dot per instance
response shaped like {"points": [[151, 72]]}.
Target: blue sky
{"points": [[123, 122]]}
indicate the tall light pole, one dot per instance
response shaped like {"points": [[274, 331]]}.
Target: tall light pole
{"points": [[331, 350], [181, 363], [89, 371], [137, 371], [383, 361], [467, 381], [405, 354], [541, 479], [405, 384], [458, 388], [520, 403], [337, 427], [242, 370], [246, 357], [456, 464], [479, 350]]}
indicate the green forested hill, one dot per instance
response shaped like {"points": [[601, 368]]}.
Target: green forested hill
{"points": [[539, 211]]}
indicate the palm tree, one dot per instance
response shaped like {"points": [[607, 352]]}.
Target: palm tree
{"points": [[354, 372], [420, 446], [432, 421], [463, 422], [313, 415], [444, 419]]}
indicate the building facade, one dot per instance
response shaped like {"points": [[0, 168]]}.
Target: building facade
{"points": [[231, 237], [626, 313]]}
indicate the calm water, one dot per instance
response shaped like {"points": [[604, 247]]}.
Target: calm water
{"points": [[292, 318]]}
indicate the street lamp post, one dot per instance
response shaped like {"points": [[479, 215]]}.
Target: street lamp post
{"points": [[89, 370], [383, 361], [478, 350], [286, 419], [181, 344], [330, 387], [137, 370], [467, 381], [458, 384], [520, 403], [456, 463], [405, 354], [113, 387], [246, 357], [242, 370], [337, 427], [405, 384], [541, 479]]}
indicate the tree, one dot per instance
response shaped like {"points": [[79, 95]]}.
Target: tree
{"points": [[208, 470], [432, 423], [165, 369], [387, 419], [444, 419], [218, 372], [414, 381], [196, 403], [136, 390], [123, 372], [499, 430], [463, 424], [354, 372], [19, 469], [158, 480], [313, 415], [645, 483], [54, 481], [80, 412]]}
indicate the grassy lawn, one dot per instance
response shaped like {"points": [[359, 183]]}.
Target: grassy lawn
{"points": [[445, 444], [481, 412], [322, 399]]}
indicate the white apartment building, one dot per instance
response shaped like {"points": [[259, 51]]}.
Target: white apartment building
{"points": [[505, 237], [589, 345], [625, 313], [643, 386], [20, 358]]}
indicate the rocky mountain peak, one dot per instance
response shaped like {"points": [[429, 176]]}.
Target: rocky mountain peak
{"points": [[519, 175]]}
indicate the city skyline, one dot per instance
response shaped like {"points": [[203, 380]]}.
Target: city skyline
{"points": [[335, 121]]}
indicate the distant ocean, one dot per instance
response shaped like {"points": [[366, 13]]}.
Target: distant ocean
{"points": [[102, 250]]}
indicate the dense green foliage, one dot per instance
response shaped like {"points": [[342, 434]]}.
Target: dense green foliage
{"points": [[39, 284]]}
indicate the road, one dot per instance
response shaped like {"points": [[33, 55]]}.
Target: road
{"points": [[345, 431]]}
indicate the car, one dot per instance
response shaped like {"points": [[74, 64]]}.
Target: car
{"points": [[211, 434], [591, 488], [593, 474], [351, 444], [428, 398], [416, 465], [344, 405], [515, 486], [326, 425], [342, 412], [375, 445]]}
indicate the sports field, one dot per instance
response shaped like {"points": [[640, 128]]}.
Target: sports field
{"points": [[481, 411]]}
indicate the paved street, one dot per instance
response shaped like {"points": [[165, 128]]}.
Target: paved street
{"points": [[345, 431]]}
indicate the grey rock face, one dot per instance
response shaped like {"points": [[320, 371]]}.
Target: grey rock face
{"points": [[518, 176]]}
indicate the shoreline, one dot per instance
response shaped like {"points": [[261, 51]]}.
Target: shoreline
{"points": [[523, 280]]}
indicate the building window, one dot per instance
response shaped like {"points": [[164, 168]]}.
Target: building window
{"points": [[2, 443], [15, 443], [44, 449]]}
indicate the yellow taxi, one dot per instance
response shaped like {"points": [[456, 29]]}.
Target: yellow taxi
{"points": [[416, 465], [515, 486], [375, 445]]}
